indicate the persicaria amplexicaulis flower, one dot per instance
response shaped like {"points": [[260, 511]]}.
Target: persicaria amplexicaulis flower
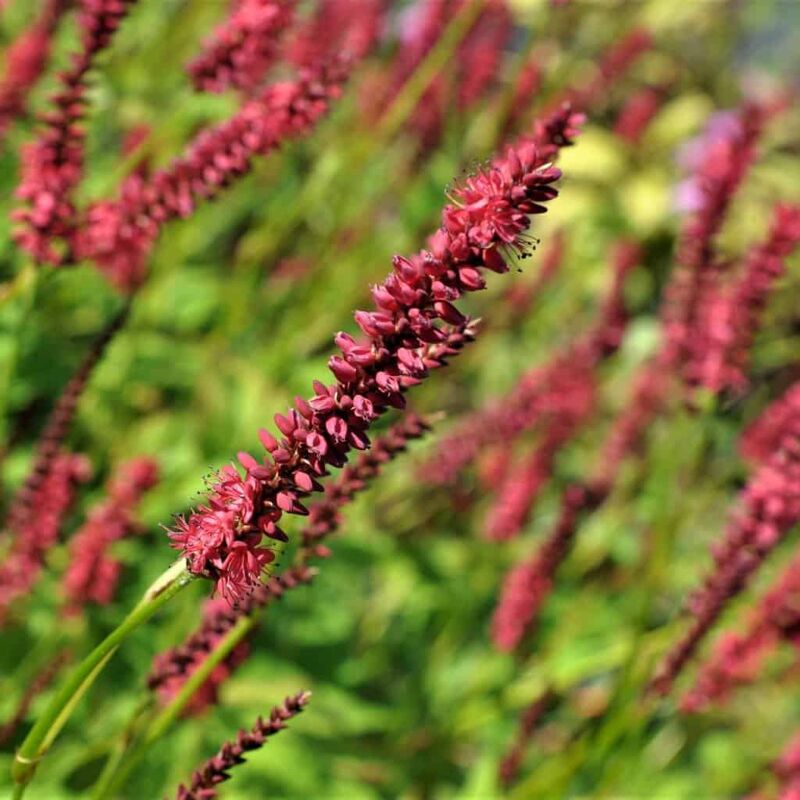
{"points": [[719, 162], [352, 27], [25, 61], [729, 315], [527, 584], [93, 573], [558, 394], [172, 668], [40, 529], [52, 166], [762, 437], [244, 47], [118, 235], [528, 722], [738, 658], [58, 426], [637, 113], [769, 507], [223, 540], [217, 769]]}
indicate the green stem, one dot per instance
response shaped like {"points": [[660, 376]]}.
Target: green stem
{"points": [[104, 783], [48, 726], [162, 721]]}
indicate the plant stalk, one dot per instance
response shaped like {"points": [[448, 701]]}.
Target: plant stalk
{"points": [[48, 726]]}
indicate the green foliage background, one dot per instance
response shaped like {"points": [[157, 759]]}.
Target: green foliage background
{"points": [[410, 699]]}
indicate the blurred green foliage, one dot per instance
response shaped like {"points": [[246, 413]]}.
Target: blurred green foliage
{"points": [[410, 700]]}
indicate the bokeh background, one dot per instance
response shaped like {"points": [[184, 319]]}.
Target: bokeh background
{"points": [[410, 699]]}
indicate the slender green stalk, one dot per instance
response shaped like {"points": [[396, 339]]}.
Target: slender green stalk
{"points": [[117, 756], [48, 726], [164, 719]]}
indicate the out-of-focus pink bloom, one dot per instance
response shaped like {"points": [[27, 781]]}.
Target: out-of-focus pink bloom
{"points": [[244, 47], [351, 27], [25, 61], [23, 564], [481, 52], [576, 395], [787, 770], [637, 113], [56, 430], [119, 235], [738, 658], [769, 507], [723, 157], [543, 393], [528, 722], [204, 782], [729, 315], [763, 436], [612, 64], [528, 583], [93, 574], [647, 398], [172, 668], [475, 63], [52, 166], [403, 338], [571, 394]]}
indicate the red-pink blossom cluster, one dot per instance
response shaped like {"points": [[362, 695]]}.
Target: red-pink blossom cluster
{"points": [[52, 166], [404, 338], [729, 316], [637, 113], [738, 658], [612, 64], [481, 52], [647, 398], [574, 396], [351, 27], [172, 668], [40, 528], [475, 62], [206, 779], [769, 507], [119, 234], [25, 61], [528, 722], [763, 436], [787, 770], [529, 583], [244, 47], [93, 574], [719, 161], [58, 426], [562, 387]]}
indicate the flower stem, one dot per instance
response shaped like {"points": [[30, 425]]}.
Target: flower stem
{"points": [[162, 721], [48, 726]]}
